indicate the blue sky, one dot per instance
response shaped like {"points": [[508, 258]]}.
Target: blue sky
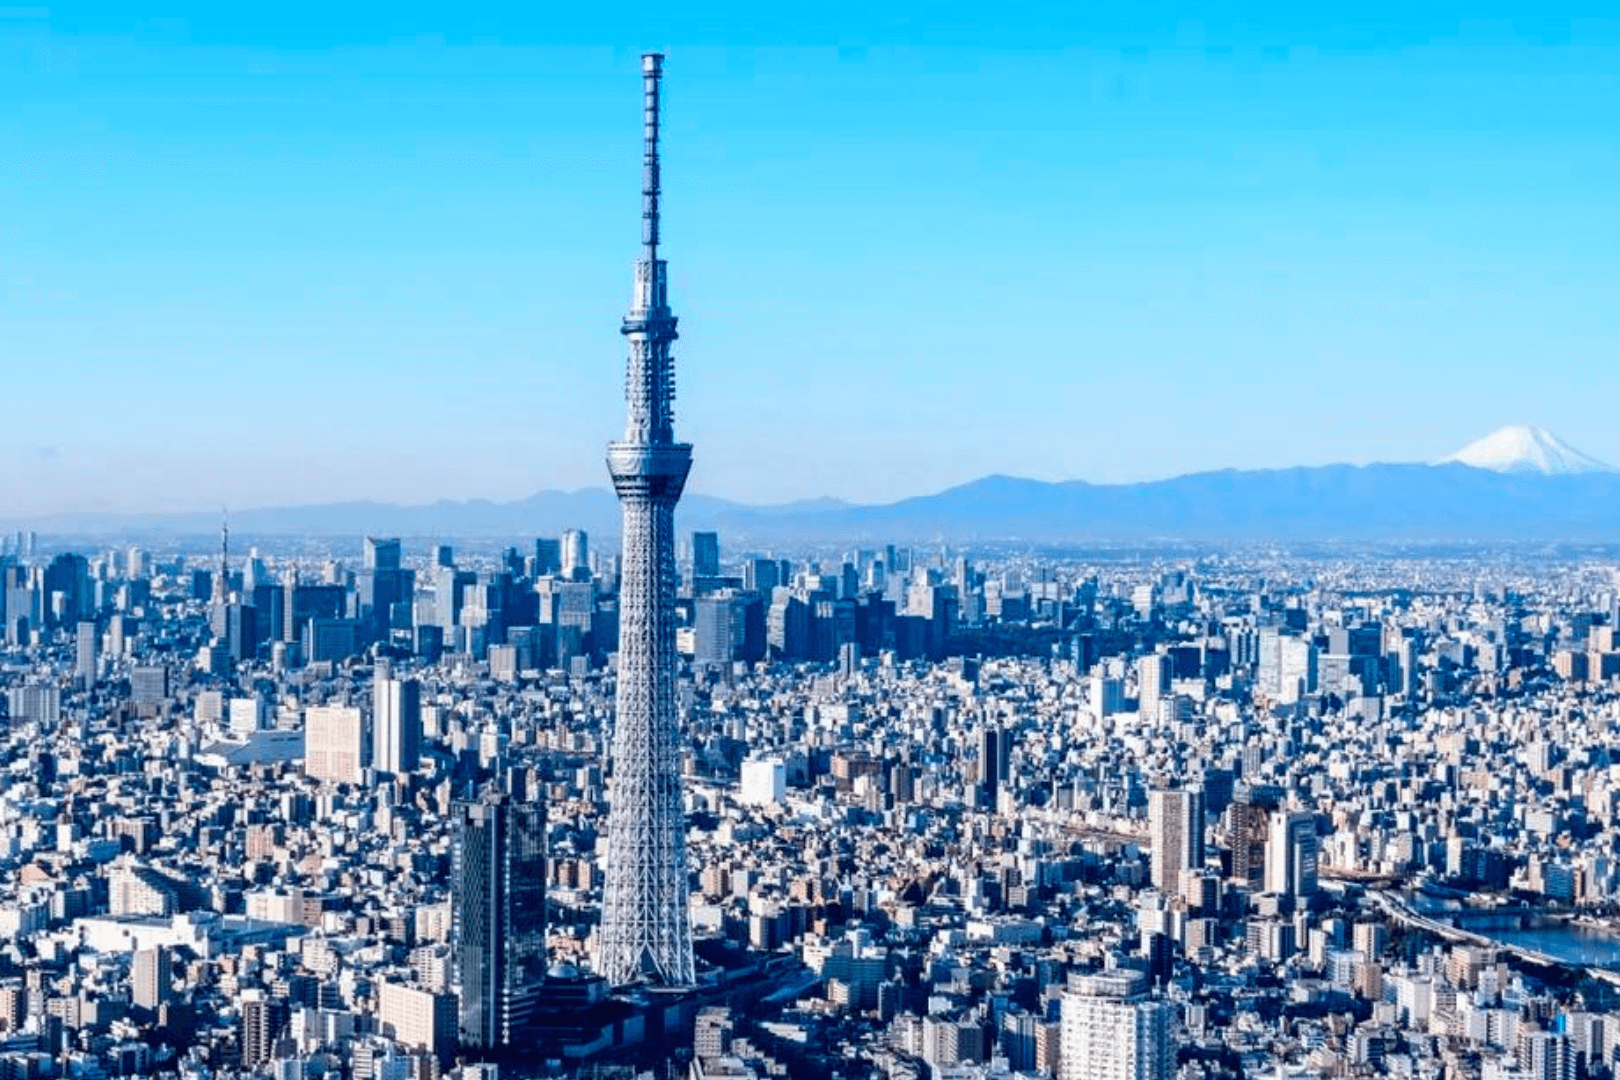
{"points": [[287, 255]]}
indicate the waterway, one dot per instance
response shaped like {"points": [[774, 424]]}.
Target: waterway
{"points": [[1572, 943]]}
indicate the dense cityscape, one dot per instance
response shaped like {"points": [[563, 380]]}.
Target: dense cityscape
{"points": [[702, 806], [948, 815]]}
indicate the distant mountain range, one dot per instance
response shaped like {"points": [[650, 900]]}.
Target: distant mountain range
{"points": [[1516, 484]]}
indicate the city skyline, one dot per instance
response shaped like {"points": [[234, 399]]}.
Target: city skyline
{"points": [[1307, 772], [1177, 784], [1393, 218]]}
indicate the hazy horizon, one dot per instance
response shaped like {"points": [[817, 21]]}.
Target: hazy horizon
{"points": [[179, 507], [382, 254]]}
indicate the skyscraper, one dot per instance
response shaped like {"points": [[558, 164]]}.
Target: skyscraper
{"points": [[705, 555], [1152, 683], [1246, 825], [382, 584], [1113, 1031], [65, 594], [995, 752], [1291, 854], [381, 554], [646, 930], [1176, 821], [576, 555], [88, 641], [547, 556], [499, 915], [396, 740], [728, 625]]}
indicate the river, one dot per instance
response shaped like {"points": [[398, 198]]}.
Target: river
{"points": [[1571, 943]]}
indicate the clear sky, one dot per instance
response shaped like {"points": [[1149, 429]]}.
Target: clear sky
{"points": [[296, 252]]}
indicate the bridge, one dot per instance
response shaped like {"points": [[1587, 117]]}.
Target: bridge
{"points": [[1401, 912]]}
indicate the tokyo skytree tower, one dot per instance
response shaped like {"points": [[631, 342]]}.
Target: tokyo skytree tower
{"points": [[646, 931]]}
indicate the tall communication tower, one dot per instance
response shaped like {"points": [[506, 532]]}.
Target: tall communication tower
{"points": [[646, 931]]}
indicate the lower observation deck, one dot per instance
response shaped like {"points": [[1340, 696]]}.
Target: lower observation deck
{"points": [[649, 470]]}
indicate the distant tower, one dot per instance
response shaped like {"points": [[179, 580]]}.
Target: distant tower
{"points": [[646, 930], [219, 604], [222, 587]]}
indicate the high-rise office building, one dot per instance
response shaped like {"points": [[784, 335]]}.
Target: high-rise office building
{"points": [[728, 625], [787, 626], [396, 728], [65, 591], [334, 744], [1176, 824], [713, 631], [1247, 823], [705, 555], [149, 684], [1112, 1030], [304, 603], [995, 748], [381, 554], [1152, 683], [383, 587], [547, 556], [762, 575], [498, 901], [1291, 853], [240, 632], [576, 555], [646, 929], [88, 641]]}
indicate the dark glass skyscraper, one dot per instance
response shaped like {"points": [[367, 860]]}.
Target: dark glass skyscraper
{"points": [[499, 907]]}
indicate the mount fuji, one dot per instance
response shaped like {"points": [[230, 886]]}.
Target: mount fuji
{"points": [[1521, 449]]}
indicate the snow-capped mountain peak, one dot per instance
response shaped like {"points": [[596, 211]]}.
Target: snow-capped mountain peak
{"points": [[1523, 449]]}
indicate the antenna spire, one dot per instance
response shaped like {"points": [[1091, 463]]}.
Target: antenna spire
{"points": [[652, 74], [650, 375]]}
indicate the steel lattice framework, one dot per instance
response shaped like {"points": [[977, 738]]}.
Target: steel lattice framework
{"points": [[646, 931]]}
